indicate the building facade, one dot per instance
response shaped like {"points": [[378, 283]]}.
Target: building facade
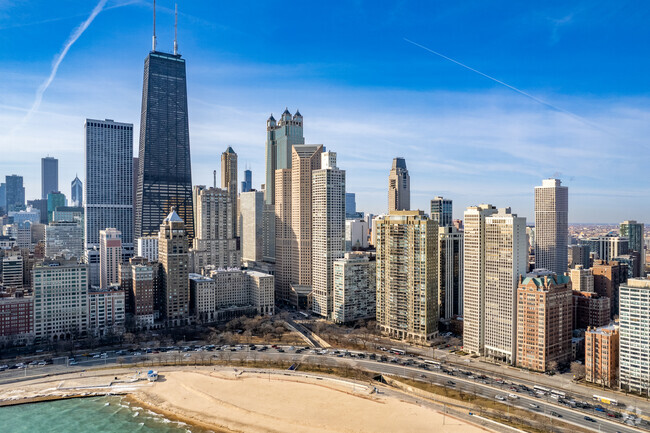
{"points": [[441, 211], [76, 192], [450, 272], [16, 319], [608, 276], [551, 226], [110, 257], [64, 239], [252, 233], [49, 176], [634, 231], [148, 248], [174, 258], [356, 234], [106, 311], [281, 136], [108, 196], [328, 231], [634, 337], [355, 280], [407, 286], [544, 321], [601, 355]]}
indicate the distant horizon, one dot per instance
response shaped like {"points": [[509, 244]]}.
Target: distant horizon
{"points": [[483, 102]]}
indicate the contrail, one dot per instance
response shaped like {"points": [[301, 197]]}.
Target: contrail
{"points": [[57, 61], [528, 95]]}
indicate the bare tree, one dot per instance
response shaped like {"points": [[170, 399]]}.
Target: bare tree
{"points": [[578, 370]]}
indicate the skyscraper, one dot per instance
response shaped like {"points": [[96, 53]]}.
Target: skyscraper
{"points": [[399, 186], [407, 286], [3, 198], [110, 257], [15, 193], [76, 192], [49, 175], [634, 338], [450, 272], [350, 205], [441, 211], [54, 200], [229, 182], [634, 232], [247, 183], [172, 254], [108, 196], [328, 231], [252, 205], [165, 172], [551, 226], [280, 138]]}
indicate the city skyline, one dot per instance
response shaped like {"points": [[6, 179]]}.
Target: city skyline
{"points": [[463, 136]]}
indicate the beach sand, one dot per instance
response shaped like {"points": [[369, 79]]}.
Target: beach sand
{"points": [[257, 403]]}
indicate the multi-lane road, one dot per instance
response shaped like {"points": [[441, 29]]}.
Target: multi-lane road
{"points": [[487, 388]]}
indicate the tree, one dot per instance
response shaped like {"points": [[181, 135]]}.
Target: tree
{"points": [[578, 370]]}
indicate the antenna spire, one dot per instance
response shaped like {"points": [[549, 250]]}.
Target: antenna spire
{"points": [[153, 39], [175, 28]]}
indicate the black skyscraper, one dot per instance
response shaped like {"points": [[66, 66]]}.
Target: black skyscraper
{"points": [[49, 176], [164, 174]]}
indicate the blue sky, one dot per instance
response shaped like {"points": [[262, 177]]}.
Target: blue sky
{"points": [[364, 91]]}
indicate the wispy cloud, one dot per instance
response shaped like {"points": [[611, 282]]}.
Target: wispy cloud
{"points": [[57, 62]]}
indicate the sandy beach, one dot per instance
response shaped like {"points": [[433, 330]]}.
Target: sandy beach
{"points": [[263, 404]]}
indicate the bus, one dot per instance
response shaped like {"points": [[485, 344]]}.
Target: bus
{"points": [[557, 394], [605, 400], [305, 315], [541, 389], [434, 364], [397, 351]]}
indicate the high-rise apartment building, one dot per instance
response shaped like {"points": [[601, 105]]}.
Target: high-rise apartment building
{"points": [[215, 243], [608, 276], [579, 255], [601, 355], [3, 198], [106, 311], [399, 186], [174, 258], [141, 281], [60, 300], [229, 182], [450, 272], [110, 257], [281, 136], [202, 297], [76, 192], [49, 176], [441, 211], [165, 172], [474, 277], [350, 205], [407, 286], [12, 270], [252, 235], [148, 248], [354, 288], [14, 193], [544, 321], [356, 234], [634, 337], [582, 280], [551, 226], [17, 319], [608, 247], [634, 232], [108, 196], [328, 230], [64, 239]]}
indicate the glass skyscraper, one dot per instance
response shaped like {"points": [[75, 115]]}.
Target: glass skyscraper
{"points": [[441, 211], [14, 193], [165, 174], [49, 176], [108, 196], [76, 192]]}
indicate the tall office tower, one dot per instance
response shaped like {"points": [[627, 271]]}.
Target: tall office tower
{"points": [[609, 246], [136, 167], [252, 235], [49, 175], [54, 200], [602, 355], [608, 277], [284, 237], [247, 183], [3, 198], [407, 276], [474, 277], [64, 238], [450, 272], [12, 270], [60, 300], [280, 138], [165, 172], [328, 230], [173, 256], [506, 258], [76, 192], [579, 255], [441, 211], [15, 193], [229, 182], [108, 196], [634, 337], [399, 186], [354, 288], [350, 205], [110, 257], [544, 321], [634, 232], [551, 226], [215, 243]]}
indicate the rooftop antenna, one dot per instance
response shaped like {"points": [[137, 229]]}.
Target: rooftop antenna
{"points": [[175, 28], [215, 178], [153, 39]]}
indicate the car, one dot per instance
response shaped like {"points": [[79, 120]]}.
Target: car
{"points": [[556, 414], [599, 409], [533, 405], [42, 363], [500, 397], [513, 396], [451, 383], [588, 418], [96, 355], [73, 362]]}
